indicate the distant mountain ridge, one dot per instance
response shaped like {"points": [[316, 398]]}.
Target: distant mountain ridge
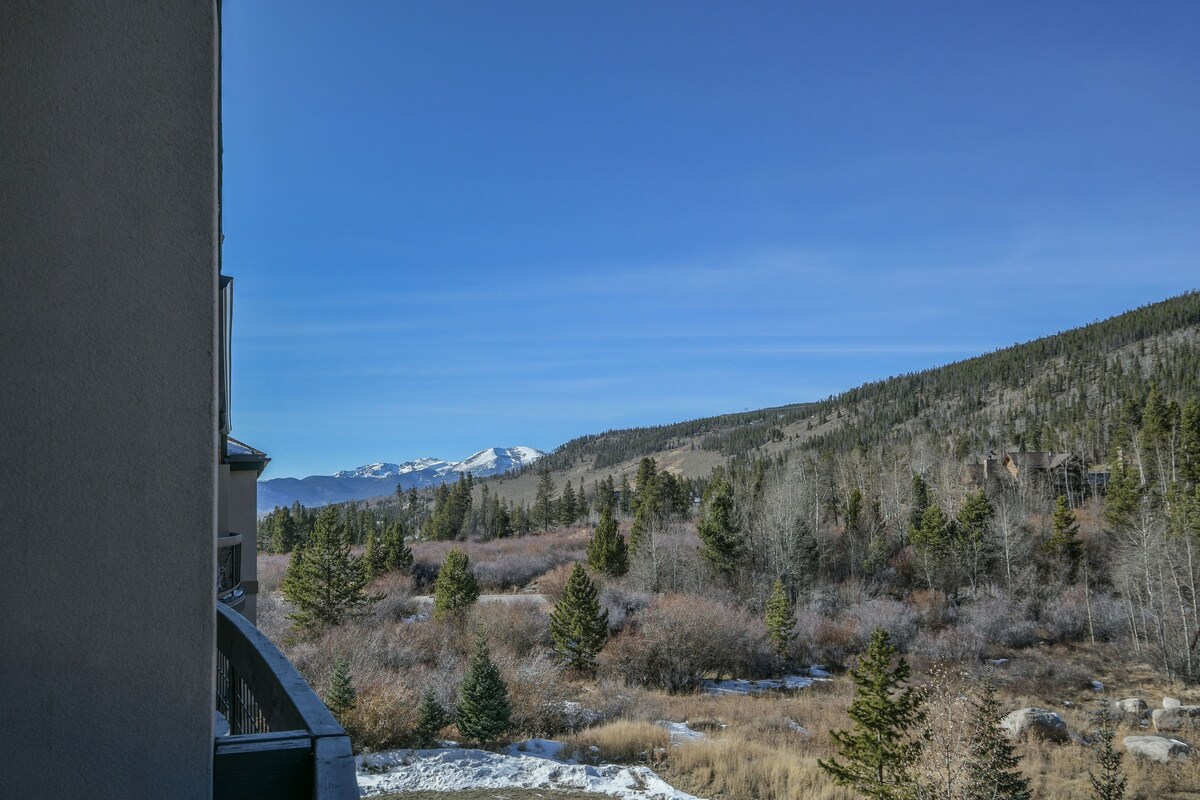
{"points": [[372, 480]]}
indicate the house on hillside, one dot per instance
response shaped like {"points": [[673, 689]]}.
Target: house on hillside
{"points": [[126, 669], [1058, 473]]}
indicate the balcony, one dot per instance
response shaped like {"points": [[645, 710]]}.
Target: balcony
{"points": [[281, 741], [229, 570]]}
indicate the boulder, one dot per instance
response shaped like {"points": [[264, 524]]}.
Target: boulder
{"points": [[1175, 719], [1037, 723], [1171, 702], [1156, 748], [1133, 706]]}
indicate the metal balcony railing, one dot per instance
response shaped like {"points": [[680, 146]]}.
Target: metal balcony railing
{"points": [[283, 742]]}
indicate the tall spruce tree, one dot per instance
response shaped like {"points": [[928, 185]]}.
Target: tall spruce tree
{"points": [[431, 718], [544, 502], [484, 712], [931, 540], [878, 751], [567, 510], [780, 620], [993, 771], [921, 498], [373, 557], [397, 556], [1064, 544], [324, 581], [606, 552], [578, 627], [340, 697], [455, 588], [723, 544]]}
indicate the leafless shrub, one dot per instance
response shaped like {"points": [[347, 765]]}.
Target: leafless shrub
{"points": [[503, 564], [823, 640], [954, 644], [622, 602], [519, 628], [1073, 616], [397, 597], [898, 619], [997, 619], [680, 639], [554, 583], [537, 693], [383, 717]]}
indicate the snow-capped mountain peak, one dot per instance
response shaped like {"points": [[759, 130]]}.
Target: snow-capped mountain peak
{"points": [[380, 469], [491, 461]]}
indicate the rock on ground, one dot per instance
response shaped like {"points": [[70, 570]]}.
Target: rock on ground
{"points": [[1156, 748], [1171, 702], [1175, 719], [1134, 706], [1038, 723]]}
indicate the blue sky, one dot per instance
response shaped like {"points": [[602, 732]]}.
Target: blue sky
{"points": [[457, 225]]}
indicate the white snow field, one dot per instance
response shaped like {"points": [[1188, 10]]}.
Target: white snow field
{"points": [[529, 765]]}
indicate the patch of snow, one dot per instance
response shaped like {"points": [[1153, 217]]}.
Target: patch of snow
{"points": [[798, 728], [680, 732], [818, 672], [1097, 686], [542, 748], [737, 686], [454, 770], [999, 662], [415, 618]]}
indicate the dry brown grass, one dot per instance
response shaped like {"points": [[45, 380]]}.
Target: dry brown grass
{"points": [[620, 742]]}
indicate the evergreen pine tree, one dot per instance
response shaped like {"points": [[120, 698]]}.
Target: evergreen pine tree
{"points": [[397, 556], [1189, 443], [1109, 783], [719, 531], [973, 518], [920, 503], [578, 627], [878, 752], [543, 504], [606, 552], [566, 504], [340, 697], [455, 588], [326, 583], [373, 557], [930, 539], [431, 718], [780, 619], [1064, 542], [992, 761], [626, 496], [483, 707]]}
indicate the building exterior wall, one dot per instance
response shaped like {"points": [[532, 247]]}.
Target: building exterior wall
{"points": [[243, 519], [108, 262]]}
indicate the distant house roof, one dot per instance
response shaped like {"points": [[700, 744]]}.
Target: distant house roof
{"points": [[241, 456]]}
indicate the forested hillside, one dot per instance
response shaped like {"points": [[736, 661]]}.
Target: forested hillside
{"points": [[1059, 392]]}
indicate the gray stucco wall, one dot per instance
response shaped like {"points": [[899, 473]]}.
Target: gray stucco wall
{"points": [[108, 258]]}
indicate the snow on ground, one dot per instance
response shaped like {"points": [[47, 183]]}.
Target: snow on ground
{"points": [[680, 732], [530, 765], [737, 686]]}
